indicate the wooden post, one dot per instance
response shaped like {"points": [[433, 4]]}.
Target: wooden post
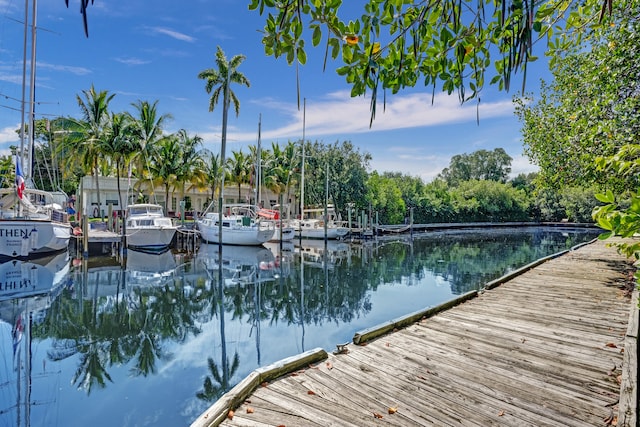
{"points": [[85, 236]]}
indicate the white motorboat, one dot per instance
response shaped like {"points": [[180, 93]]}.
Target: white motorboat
{"points": [[32, 223], [240, 226], [148, 228], [314, 225]]}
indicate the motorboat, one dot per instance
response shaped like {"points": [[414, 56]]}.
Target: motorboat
{"points": [[241, 225], [148, 228], [315, 225]]}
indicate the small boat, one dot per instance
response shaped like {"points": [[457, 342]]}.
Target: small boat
{"points": [[241, 225], [314, 225], [284, 229], [148, 228]]}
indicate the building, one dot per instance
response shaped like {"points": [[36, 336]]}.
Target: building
{"points": [[131, 191]]}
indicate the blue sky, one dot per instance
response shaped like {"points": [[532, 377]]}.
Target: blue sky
{"points": [[155, 50]]}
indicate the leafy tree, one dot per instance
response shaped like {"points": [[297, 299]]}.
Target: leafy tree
{"points": [[398, 44], [480, 165], [590, 109], [434, 204], [386, 199], [347, 177], [489, 201]]}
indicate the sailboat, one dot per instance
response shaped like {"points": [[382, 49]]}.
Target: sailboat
{"points": [[33, 222], [317, 223], [237, 224]]}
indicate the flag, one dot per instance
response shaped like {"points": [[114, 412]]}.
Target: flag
{"points": [[19, 179], [18, 329]]}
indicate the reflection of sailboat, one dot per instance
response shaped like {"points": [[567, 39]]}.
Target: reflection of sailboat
{"points": [[17, 314], [20, 279], [239, 264], [319, 253]]}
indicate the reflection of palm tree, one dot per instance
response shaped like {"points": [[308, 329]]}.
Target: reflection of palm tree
{"points": [[91, 370], [211, 391]]}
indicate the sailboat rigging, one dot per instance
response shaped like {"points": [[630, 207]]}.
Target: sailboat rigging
{"points": [[33, 222]]}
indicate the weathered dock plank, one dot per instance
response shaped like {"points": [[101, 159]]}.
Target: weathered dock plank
{"points": [[555, 345]]}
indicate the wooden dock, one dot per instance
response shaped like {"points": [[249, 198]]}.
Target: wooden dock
{"points": [[554, 344]]}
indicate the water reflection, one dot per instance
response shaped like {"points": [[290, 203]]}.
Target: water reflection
{"points": [[159, 337], [27, 289]]}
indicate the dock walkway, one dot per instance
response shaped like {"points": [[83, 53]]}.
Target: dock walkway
{"points": [[554, 344]]}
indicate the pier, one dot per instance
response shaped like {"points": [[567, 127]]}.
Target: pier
{"points": [[552, 344]]}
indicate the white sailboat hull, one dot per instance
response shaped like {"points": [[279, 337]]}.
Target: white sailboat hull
{"points": [[239, 227], [27, 238], [316, 230], [245, 236]]}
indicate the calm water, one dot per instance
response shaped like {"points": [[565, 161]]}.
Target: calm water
{"points": [[155, 343]]}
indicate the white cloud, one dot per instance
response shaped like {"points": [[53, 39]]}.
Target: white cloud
{"points": [[132, 61], [79, 71], [172, 33], [8, 135], [339, 113], [521, 164]]}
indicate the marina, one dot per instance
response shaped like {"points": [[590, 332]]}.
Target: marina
{"points": [[166, 335]]}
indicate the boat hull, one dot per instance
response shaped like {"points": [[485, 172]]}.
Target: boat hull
{"points": [[27, 238], [316, 230], [244, 236], [147, 227], [150, 238]]}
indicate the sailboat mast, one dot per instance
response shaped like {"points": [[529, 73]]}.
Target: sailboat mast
{"points": [[259, 164], [23, 100], [304, 111], [32, 95]]}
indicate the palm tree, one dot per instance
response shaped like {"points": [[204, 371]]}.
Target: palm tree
{"points": [[149, 127], [95, 116], [213, 171], [191, 163], [118, 144], [240, 169], [164, 165], [218, 81]]}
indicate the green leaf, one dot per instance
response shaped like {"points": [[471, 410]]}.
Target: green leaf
{"points": [[608, 197]]}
